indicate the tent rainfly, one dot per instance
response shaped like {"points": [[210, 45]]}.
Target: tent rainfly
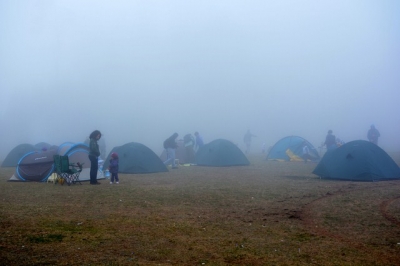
{"points": [[358, 160], [136, 158], [220, 152], [291, 149]]}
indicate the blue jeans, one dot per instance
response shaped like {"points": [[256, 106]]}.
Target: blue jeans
{"points": [[94, 167], [170, 157]]}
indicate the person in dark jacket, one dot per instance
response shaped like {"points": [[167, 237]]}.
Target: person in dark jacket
{"points": [[170, 145], [113, 168], [330, 141], [373, 135], [94, 153]]}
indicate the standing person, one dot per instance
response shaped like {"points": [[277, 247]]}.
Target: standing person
{"points": [[170, 145], [94, 153], [199, 141], [373, 135], [247, 140], [113, 168], [306, 152], [330, 141]]}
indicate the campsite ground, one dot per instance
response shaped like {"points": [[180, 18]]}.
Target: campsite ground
{"points": [[268, 213]]}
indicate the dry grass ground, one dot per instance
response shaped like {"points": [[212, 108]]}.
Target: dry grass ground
{"points": [[268, 213]]}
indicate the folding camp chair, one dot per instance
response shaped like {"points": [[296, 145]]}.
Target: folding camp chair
{"points": [[66, 172]]}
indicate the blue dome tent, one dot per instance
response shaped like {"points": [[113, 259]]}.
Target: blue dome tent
{"points": [[291, 149]]}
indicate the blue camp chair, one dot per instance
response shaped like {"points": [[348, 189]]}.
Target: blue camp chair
{"points": [[66, 172]]}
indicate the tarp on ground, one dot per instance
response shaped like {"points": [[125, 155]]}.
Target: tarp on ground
{"points": [[136, 158], [290, 148], [357, 160], [220, 152]]}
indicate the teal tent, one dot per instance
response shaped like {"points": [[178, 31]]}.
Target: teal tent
{"points": [[220, 152], [16, 154], [358, 160], [136, 158], [291, 149]]}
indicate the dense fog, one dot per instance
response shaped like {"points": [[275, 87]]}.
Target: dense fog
{"points": [[139, 71]]}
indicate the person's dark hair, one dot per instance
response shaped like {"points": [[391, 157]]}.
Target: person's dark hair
{"points": [[94, 134]]}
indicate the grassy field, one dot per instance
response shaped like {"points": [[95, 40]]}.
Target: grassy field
{"points": [[268, 213]]}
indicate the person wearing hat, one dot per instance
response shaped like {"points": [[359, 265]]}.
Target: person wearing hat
{"points": [[330, 141], [373, 135], [113, 168]]}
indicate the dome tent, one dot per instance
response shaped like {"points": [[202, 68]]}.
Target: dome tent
{"points": [[19, 151], [39, 165], [16, 154], [43, 146], [290, 148], [35, 166], [220, 152], [358, 160], [79, 153], [136, 158]]}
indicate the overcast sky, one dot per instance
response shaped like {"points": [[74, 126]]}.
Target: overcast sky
{"points": [[142, 70]]}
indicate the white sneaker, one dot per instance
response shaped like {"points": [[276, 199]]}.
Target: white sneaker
{"points": [[117, 183], [110, 183]]}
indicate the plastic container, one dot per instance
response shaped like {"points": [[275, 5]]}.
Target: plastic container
{"points": [[107, 174]]}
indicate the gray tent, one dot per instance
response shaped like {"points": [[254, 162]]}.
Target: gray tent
{"points": [[136, 158], [220, 152]]}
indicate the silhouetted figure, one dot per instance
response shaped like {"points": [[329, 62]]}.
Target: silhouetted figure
{"points": [[373, 135], [330, 141], [170, 145], [306, 152], [199, 141], [247, 140], [94, 153], [113, 168]]}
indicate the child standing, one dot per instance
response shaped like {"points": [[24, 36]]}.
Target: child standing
{"points": [[113, 168]]}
